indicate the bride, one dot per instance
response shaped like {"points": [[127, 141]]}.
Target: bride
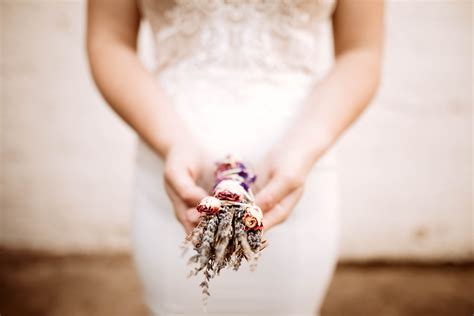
{"points": [[253, 78]]}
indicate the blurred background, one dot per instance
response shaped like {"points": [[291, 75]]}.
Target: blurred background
{"points": [[67, 167]]}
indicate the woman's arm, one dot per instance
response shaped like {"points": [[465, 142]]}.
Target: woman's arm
{"points": [[132, 92], [330, 109], [112, 30]]}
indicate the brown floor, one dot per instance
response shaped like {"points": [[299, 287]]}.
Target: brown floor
{"points": [[40, 285]]}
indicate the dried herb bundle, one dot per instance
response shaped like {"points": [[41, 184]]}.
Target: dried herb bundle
{"points": [[230, 228]]}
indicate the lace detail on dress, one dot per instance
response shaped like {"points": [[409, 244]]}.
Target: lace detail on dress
{"points": [[251, 35]]}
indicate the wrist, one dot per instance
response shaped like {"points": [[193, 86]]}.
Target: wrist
{"points": [[310, 141], [165, 143], [321, 140], [183, 139]]}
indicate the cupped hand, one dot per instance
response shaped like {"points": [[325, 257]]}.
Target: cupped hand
{"points": [[282, 174], [185, 164]]}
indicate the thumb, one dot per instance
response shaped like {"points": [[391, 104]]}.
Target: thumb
{"points": [[275, 190], [185, 186]]}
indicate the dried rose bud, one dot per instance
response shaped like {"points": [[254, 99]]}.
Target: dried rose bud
{"points": [[249, 221], [230, 162], [209, 205], [222, 167], [229, 190], [253, 217], [228, 195]]}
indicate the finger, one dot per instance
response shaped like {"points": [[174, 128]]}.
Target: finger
{"points": [[193, 215], [282, 210], [277, 188], [263, 178], [185, 186], [188, 217], [179, 208]]}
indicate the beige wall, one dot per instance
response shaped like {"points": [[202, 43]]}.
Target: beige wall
{"points": [[406, 169]]}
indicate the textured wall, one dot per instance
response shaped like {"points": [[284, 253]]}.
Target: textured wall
{"points": [[406, 169], [66, 159]]}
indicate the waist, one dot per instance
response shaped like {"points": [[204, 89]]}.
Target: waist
{"points": [[194, 74], [236, 109]]}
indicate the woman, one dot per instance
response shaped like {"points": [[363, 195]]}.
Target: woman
{"points": [[251, 78]]}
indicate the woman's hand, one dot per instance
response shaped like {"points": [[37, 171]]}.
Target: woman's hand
{"points": [[282, 176], [186, 163]]}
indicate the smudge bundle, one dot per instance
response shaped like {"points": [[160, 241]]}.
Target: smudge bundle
{"points": [[230, 227]]}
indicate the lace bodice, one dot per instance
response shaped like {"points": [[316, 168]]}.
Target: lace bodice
{"points": [[250, 35], [237, 71]]}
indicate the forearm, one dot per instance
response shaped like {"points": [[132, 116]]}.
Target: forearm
{"points": [[336, 101], [133, 93]]}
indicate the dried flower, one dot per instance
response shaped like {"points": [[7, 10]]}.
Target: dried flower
{"points": [[209, 205], [224, 234], [249, 221], [229, 190], [253, 217], [230, 227], [254, 237], [195, 236], [242, 238]]}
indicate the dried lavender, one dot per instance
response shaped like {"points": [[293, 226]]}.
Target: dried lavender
{"points": [[195, 237], [224, 234], [242, 239], [254, 238], [236, 259], [230, 228], [205, 250]]}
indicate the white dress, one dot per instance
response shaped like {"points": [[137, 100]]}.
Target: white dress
{"points": [[237, 72]]}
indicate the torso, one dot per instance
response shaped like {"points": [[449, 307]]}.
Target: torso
{"points": [[237, 73], [232, 63]]}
